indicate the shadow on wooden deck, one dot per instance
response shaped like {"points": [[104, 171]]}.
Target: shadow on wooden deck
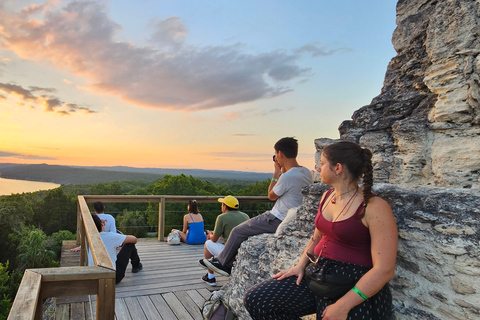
{"points": [[168, 287]]}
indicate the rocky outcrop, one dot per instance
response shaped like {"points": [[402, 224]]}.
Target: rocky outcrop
{"points": [[438, 265], [424, 127]]}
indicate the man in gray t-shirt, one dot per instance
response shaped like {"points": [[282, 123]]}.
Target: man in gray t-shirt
{"points": [[285, 188]]}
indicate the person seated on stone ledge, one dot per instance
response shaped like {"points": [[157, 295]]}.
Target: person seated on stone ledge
{"points": [[286, 188], [229, 219], [127, 253], [355, 237]]}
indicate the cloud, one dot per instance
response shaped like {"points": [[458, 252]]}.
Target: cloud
{"points": [[43, 90], [171, 74], [18, 91], [233, 115], [51, 103], [239, 155], [170, 31], [4, 154], [254, 113], [315, 50], [253, 155]]}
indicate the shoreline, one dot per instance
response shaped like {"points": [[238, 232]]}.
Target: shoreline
{"points": [[10, 186]]}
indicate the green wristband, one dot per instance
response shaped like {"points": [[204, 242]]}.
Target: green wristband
{"points": [[274, 179], [360, 293]]}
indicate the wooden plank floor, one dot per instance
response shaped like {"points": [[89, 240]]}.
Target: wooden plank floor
{"points": [[168, 287]]}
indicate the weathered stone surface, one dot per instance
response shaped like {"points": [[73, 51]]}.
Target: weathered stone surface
{"points": [[466, 305], [424, 127], [470, 267], [461, 286], [451, 312], [454, 229], [428, 271]]}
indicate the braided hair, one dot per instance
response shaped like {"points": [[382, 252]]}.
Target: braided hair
{"points": [[358, 161]]}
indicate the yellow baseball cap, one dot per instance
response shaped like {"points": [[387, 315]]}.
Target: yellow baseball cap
{"points": [[230, 201]]}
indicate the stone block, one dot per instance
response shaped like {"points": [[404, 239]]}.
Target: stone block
{"points": [[424, 216], [418, 225], [474, 308], [411, 235], [461, 286], [455, 250], [424, 301], [454, 229], [434, 258], [470, 267], [439, 296], [451, 312], [402, 283], [434, 277]]}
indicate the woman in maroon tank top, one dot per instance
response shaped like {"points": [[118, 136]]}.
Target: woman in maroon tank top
{"points": [[355, 235]]}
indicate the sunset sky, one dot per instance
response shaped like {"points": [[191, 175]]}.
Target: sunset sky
{"points": [[184, 84]]}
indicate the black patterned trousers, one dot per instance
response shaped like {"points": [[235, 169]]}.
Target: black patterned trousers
{"points": [[284, 299]]}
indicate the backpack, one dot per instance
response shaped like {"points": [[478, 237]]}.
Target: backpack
{"points": [[220, 311], [173, 237]]}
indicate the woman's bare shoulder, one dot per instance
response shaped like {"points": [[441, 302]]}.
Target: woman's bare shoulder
{"points": [[378, 209]]}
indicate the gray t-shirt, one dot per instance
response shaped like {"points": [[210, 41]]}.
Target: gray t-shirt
{"points": [[111, 241], [109, 222], [289, 189]]}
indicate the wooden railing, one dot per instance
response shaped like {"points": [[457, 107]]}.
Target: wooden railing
{"points": [[161, 200], [39, 284]]}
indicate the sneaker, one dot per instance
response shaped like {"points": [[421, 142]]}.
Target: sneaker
{"points": [[201, 264], [215, 265], [137, 268], [209, 281]]}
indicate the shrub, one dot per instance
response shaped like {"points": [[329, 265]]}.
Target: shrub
{"points": [[133, 223]]}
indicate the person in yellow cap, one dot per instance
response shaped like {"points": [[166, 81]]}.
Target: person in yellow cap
{"points": [[229, 219]]}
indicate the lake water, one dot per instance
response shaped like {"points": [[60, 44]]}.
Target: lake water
{"points": [[9, 186]]}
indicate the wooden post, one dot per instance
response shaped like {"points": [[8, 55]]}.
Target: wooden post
{"points": [[83, 243], [28, 302], [39, 311], [106, 299], [79, 221], [161, 219]]}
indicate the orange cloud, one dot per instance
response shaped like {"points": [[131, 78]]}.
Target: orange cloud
{"points": [[50, 102]]}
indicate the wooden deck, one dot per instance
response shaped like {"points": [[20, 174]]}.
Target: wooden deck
{"points": [[168, 287]]}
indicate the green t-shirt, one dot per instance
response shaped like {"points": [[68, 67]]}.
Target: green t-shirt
{"points": [[227, 221]]}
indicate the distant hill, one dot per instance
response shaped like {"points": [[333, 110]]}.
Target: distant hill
{"points": [[82, 175]]}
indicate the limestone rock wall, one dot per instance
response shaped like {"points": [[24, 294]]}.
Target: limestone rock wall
{"points": [[424, 127], [438, 266]]}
